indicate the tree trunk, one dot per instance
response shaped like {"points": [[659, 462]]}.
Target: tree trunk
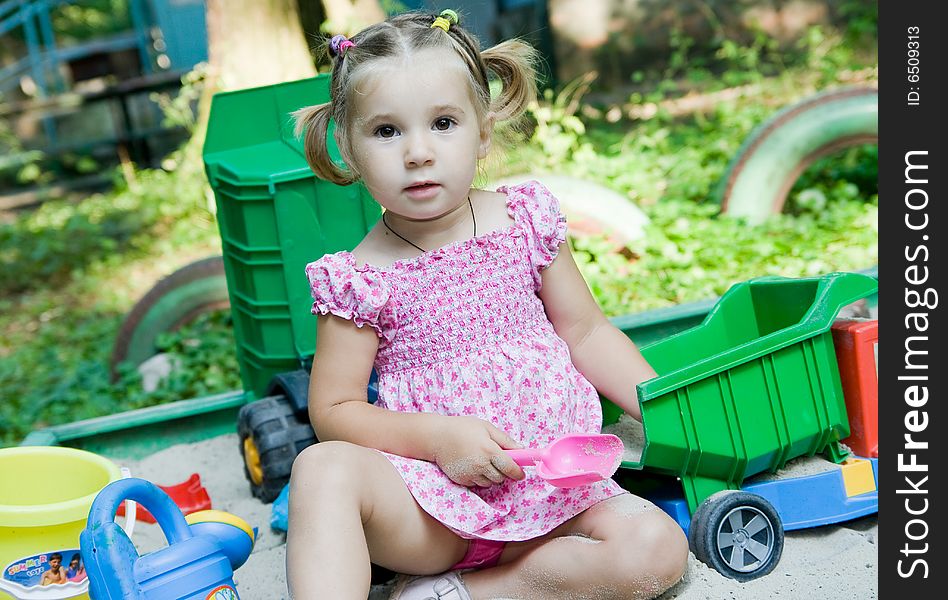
{"points": [[250, 43], [351, 16], [256, 42], [262, 42]]}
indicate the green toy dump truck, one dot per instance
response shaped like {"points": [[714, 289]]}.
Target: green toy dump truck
{"points": [[755, 385], [752, 387]]}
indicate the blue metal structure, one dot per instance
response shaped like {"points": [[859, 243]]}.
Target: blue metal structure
{"points": [[183, 26], [163, 40], [44, 55]]}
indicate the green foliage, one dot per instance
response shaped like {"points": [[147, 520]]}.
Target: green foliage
{"points": [[61, 306], [692, 253], [60, 239], [662, 157], [16, 163], [179, 109], [669, 165], [207, 348], [81, 21], [678, 60], [862, 21], [848, 175], [76, 22], [749, 64], [559, 132], [63, 296], [61, 372]]}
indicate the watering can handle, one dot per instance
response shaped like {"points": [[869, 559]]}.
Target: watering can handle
{"points": [[131, 508], [149, 495]]}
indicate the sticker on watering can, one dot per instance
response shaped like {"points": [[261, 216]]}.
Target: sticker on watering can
{"points": [[49, 568], [224, 592]]}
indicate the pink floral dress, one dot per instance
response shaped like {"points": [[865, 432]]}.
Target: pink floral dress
{"points": [[463, 332]]}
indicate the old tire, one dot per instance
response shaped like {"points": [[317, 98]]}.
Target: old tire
{"points": [[758, 179], [174, 301], [738, 534], [271, 435]]}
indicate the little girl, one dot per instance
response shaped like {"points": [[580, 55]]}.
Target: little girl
{"points": [[485, 337]]}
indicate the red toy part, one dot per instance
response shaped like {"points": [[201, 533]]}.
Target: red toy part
{"points": [[857, 344], [189, 495]]}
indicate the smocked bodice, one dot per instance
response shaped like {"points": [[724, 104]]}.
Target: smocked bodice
{"points": [[453, 300], [459, 299]]}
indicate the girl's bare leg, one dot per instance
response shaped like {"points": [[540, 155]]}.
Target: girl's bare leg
{"points": [[622, 548], [348, 503]]}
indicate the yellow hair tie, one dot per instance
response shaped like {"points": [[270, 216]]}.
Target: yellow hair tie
{"points": [[447, 18]]}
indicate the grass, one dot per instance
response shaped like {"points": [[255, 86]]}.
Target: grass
{"points": [[72, 271]]}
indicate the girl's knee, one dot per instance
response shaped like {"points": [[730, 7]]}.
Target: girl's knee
{"points": [[326, 466], [664, 547], [653, 552]]}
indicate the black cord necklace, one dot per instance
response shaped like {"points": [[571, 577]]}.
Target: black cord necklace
{"points": [[384, 222]]}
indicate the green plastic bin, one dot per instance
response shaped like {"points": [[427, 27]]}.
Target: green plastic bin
{"points": [[755, 385], [275, 216]]}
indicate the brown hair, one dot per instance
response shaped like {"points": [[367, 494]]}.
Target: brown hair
{"points": [[512, 62]]}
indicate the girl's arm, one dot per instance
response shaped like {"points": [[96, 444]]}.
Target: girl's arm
{"points": [[602, 353], [338, 398]]}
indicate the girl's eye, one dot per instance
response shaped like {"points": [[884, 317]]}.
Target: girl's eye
{"points": [[385, 131], [444, 123]]}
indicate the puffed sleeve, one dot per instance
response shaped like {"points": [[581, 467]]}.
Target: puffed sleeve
{"points": [[537, 211], [361, 295]]}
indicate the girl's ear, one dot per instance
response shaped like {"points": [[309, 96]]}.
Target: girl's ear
{"points": [[487, 130]]}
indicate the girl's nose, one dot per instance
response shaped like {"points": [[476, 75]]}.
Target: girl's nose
{"points": [[418, 152]]}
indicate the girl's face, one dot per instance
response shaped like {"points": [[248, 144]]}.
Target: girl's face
{"points": [[415, 135]]}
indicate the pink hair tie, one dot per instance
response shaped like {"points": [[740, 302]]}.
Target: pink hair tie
{"points": [[339, 44]]}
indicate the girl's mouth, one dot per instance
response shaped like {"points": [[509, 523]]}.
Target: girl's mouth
{"points": [[423, 190]]}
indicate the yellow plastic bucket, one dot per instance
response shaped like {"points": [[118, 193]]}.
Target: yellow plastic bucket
{"points": [[46, 493]]}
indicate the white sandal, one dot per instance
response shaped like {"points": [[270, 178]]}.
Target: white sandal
{"points": [[447, 586]]}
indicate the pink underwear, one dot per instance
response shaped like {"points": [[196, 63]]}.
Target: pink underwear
{"points": [[481, 554]]}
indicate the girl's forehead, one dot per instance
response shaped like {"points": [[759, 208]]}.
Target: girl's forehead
{"points": [[424, 78]]}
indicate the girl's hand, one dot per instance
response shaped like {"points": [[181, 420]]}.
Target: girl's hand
{"points": [[471, 452]]}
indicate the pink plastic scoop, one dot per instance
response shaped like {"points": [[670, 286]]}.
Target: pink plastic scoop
{"points": [[573, 460]]}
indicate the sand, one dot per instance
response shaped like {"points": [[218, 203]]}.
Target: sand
{"points": [[838, 562], [632, 435]]}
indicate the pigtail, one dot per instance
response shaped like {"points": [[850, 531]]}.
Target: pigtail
{"points": [[314, 120], [514, 62]]}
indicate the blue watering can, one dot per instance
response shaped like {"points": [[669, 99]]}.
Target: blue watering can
{"points": [[197, 564]]}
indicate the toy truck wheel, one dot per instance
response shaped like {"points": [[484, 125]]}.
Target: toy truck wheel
{"points": [[271, 435], [174, 301], [738, 534]]}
